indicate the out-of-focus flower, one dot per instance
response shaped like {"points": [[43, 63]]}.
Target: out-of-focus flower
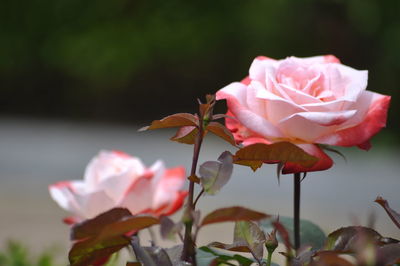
{"points": [[116, 179], [306, 101]]}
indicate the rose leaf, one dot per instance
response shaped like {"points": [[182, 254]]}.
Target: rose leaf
{"points": [[221, 131], [214, 175], [175, 120], [395, 216], [233, 214]]}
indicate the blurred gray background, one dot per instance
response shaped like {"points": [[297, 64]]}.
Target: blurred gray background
{"points": [[80, 76]]}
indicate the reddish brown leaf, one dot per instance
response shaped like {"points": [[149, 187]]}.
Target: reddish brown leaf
{"points": [[233, 214], [221, 131], [124, 226], [284, 235], [186, 135], [349, 239], [93, 227], [106, 237], [395, 216], [88, 251], [133, 264], [281, 152], [237, 246], [205, 109], [329, 258], [219, 116], [175, 120]]}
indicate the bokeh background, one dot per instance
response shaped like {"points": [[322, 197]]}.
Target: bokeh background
{"points": [[130, 60], [79, 76]]}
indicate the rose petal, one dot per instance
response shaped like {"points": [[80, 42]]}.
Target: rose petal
{"points": [[239, 131], [139, 197], [358, 82], [108, 164], [277, 108], [246, 117], [254, 140], [255, 104], [298, 96], [63, 194], [323, 118], [324, 163], [374, 121], [165, 191], [258, 67], [321, 59], [175, 204], [94, 203], [297, 127]]}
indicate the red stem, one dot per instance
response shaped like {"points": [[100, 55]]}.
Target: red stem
{"points": [[189, 252]]}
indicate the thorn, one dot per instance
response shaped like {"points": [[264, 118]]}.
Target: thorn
{"points": [[278, 172], [304, 176]]}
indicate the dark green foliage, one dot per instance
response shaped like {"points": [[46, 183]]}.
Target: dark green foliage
{"points": [[310, 233], [111, 54], [16, 254]]}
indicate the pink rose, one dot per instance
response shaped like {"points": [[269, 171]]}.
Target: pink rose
{"points": [[306, 101], [116, 179]]}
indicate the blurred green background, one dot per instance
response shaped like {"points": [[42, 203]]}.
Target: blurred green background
{"points": [[136, 60]]}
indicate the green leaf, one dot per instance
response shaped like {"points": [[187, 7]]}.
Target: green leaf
{"points": [[310, 233], [150, 256], [395, 216], [214, 175], [221, 131], [252, 235], [93, 227], [186, 135], [206, 256], [168, 229], [281, 152], [175, 253], [175, 120], [233, 214]]}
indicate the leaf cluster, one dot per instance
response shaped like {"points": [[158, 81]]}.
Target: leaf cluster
{"points": [[352, 245], [98, 238]]}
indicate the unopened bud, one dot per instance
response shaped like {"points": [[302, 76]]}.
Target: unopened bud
{"points": [[271, 242]]}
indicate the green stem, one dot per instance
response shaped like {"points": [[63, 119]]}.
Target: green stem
{"points": [[296, 221], [269, 258]]}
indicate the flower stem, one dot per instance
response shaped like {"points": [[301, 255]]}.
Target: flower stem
{"points": [[269, 258], [140, 254], [296, 221], [189, 253]]}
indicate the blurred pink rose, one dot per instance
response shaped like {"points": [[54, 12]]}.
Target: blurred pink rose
{"points": [[115, 179], [305, 101]]}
